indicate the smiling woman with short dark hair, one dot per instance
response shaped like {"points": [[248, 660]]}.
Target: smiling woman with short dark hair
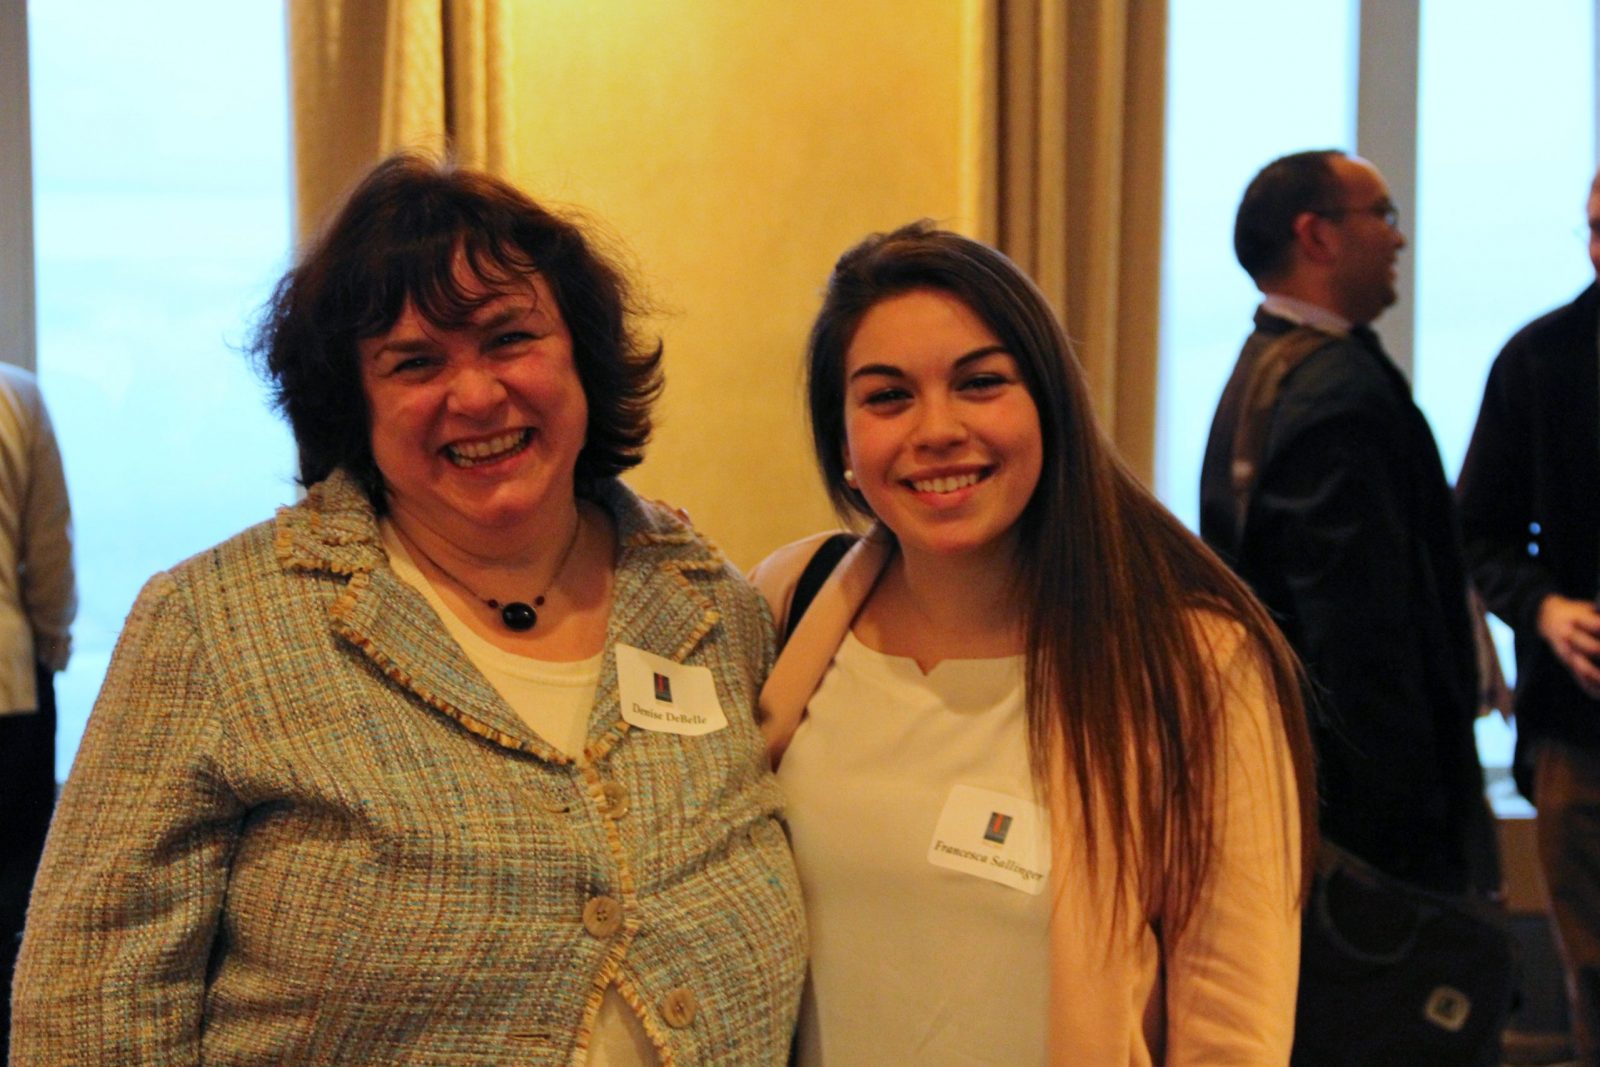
{"points": [[455, 760]]}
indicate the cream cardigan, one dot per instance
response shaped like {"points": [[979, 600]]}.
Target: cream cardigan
{"points": [[1225, 993]]}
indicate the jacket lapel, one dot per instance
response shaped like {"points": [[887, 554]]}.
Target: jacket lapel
{"points": [[333, 532], [397, 629], [656, 603], [657, 595]]}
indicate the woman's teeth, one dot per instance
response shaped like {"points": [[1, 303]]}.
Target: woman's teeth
{"points": [[945, 485], [474, 453]]}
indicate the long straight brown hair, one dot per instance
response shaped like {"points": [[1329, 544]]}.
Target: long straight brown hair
{"points": [[1122, 681]]}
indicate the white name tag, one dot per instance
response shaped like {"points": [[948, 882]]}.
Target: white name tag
{"points": [[995, 836], [666, 696]]}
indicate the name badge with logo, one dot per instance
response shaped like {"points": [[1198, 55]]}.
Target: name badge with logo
{"points": [[993, 835], [666, 696]]}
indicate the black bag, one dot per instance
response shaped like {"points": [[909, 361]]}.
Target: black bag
{"points": [[1392, 975]]}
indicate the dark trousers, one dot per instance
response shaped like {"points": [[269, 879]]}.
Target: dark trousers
{"points": [[27, 797], [1567, 786]]}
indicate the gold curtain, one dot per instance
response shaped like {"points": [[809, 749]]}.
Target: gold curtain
{"points": [[1074, 116], [369, 77]]}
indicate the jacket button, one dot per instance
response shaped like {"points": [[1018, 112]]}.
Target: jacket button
{"points": [[679, 1007], [767, 832], [529, 1037], [615, 797], [602, 916]]}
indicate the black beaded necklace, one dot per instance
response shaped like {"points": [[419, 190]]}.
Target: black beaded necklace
{"points": [[518, 615]]}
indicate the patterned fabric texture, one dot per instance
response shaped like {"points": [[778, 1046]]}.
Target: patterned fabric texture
{"points": [[302, 828], [38, 596]]}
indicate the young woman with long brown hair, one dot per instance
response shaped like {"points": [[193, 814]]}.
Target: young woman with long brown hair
{"points": [[1047, 768]]}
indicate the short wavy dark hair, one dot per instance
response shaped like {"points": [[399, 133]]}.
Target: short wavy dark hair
{"points": [[399, 239], [1280, 192]]}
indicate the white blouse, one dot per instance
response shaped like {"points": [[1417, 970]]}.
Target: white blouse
{"points": [[923, 856]]}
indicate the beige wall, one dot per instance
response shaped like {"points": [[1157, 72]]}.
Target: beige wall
{"points": [[736, 147]]}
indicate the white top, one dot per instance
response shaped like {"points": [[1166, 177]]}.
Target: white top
{"points": [[1120, 995], [914, 962], [555, 700], [37, 596]]}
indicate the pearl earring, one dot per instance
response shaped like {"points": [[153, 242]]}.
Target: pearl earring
{"points": [[849, 477]]}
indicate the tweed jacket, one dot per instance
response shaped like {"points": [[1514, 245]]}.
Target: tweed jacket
{"points": [[302, 828], [1122, 995]]}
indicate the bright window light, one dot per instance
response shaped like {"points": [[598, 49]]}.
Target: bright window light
{"points": [[162, 217]]}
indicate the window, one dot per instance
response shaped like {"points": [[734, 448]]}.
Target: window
{"points": [[1221, 127], [161, 219], [1505, 152]]}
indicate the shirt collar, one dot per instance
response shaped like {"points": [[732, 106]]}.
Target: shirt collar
{"points": [[1305, 314]]}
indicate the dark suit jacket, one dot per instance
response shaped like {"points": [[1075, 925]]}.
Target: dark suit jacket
{"points": [[1351, 539], [1530, 503]]}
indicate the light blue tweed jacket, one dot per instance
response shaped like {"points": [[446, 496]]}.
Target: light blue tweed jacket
{"points": [[302, 828]]}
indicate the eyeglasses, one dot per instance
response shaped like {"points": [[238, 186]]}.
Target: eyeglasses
{"points": [[1382, 210]]}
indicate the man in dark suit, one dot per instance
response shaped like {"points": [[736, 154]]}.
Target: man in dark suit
{"points": [[1347, 529], [1530, 511]]}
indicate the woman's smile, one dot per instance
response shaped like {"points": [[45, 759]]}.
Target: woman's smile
{"points": [[484, 451], [946, 484]]}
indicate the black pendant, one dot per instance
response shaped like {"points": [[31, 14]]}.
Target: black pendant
{"points": [[519, 616]]}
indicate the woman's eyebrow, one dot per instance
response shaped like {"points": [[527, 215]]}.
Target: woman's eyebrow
{"points": [[880, 370], [501, 312], [403, 346], [888, 370], [979, 353]]}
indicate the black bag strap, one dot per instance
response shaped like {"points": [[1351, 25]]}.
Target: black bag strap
{"points": [[1255, 414], [821, 564]]}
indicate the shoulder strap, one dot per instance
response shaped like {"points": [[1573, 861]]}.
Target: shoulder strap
{"points": [[1261, 394], [817, 570]]}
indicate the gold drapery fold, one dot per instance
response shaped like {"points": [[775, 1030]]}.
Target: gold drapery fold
{"points": [[368, 77], [1075, 113]]}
